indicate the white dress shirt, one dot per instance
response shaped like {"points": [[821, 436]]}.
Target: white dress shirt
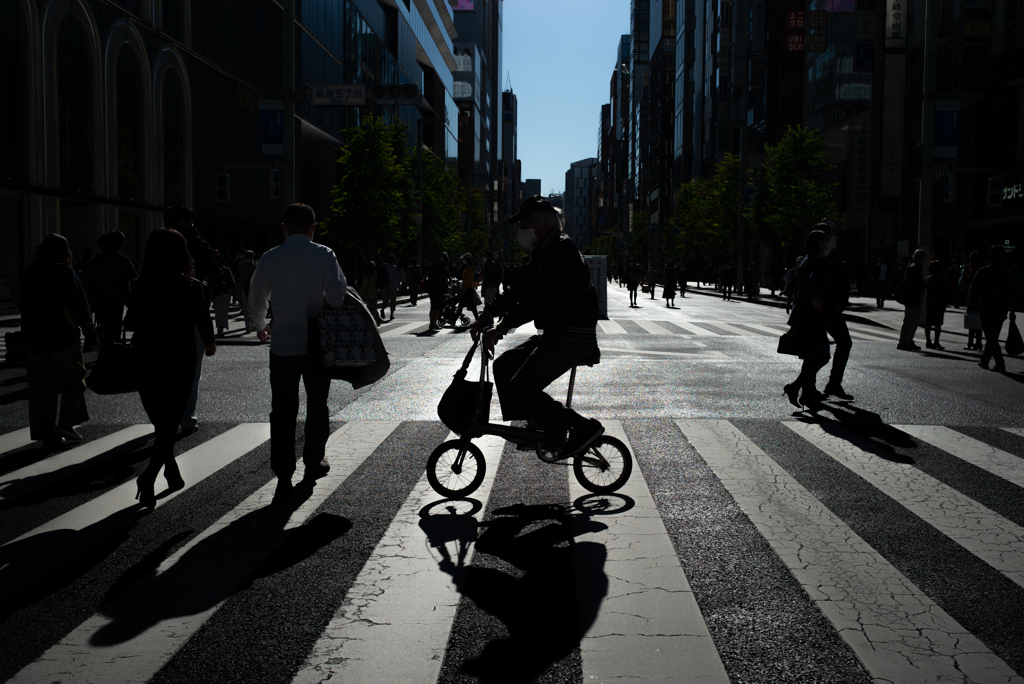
{"points": [[297, 276]]}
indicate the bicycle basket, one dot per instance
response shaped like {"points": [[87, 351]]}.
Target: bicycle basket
{"points": [[463, 402]]}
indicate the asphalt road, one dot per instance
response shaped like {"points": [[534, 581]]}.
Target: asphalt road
{"points": [[879, 540]]}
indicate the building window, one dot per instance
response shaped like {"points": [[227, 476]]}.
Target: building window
{"points": [[75, 93]]}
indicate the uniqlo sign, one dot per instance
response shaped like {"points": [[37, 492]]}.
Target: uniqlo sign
{"points": [[795, 19], [795, 42]]}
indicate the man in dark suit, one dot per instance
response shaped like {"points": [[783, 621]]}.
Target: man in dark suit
{"points": [[992, 292]]}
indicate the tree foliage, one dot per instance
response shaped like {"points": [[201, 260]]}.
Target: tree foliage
{"points": [[639, 234], [444, 206], [706, 218], [373, 201], [794, 192]]}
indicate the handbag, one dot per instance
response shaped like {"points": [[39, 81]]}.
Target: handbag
{"points": [[115, 371], [972, 320], [645, 288], [789, 344], [355, 366], [1014, 343], [465, 401]]}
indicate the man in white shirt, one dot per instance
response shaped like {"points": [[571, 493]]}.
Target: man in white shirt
{"points": [[298, 276]]}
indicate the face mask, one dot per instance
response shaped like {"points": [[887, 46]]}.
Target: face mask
{"points": [[832, 243], [827, 251], [527, 237]]}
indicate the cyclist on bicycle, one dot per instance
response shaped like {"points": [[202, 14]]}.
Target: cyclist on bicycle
{"points": [[556, 292]]}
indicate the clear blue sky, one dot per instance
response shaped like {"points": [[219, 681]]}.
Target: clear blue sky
{"points": [[559, 55]]}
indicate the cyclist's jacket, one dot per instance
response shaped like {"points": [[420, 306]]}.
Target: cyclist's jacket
{"points": [[554, 290]]}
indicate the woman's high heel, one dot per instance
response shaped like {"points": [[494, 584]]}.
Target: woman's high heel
{"points": [[173, 476], [792, 391], [145, 495]]}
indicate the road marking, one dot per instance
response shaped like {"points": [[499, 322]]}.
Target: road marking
{"points": [[895, 630], [880, 333], [763, 328], [39, 552], [707, 356], [401, 596], [975, 452], [648, 627], [1015, 431], [695, 330], [990, 537], [729, 328], [135, 635], [652, 328], [402, 329], [610, 327], [14, 440], [34, 477], [868, 338]]}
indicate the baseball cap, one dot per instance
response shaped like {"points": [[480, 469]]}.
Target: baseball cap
{"points": [[532, 205]]}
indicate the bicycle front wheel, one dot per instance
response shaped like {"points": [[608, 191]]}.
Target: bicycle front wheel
{"points": [[604, 467], [455, 471]]}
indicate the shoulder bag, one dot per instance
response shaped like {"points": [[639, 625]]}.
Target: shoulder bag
{"points": [[115, 371], [346, 340]]}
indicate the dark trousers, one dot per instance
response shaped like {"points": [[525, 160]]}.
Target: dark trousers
{"points": [[992, 325], [108, 322], [285, 372], [522, 373], [164, 397], [835, 326], [414, 292], [63, 373]]}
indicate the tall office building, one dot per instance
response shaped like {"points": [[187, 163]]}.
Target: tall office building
{"points": [[508, 165], [115, 110], [479, 27], [579, 211], [639, 103], [531, 187], [662, 117]]}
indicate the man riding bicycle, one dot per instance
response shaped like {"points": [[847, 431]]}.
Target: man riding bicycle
{"points": [[555, 291]]}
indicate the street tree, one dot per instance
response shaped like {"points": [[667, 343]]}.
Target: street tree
{"points": [[794, 192], [444, 206], [706, 218], [373, 200]]}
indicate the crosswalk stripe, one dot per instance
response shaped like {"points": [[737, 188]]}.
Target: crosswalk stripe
{"points": [[130, 639], [906, 639], [1015, 431], [729, 328], [651, 327], [610, 327], [402, 329], [62, 539], [649, 627], [857, 335], [990, 537], [975, 452], [695, 330], [401, 577], [764, 329], [15, 440], [34, 477]]}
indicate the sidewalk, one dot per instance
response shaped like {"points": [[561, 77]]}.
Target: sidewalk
{"points": [[860, 310]]}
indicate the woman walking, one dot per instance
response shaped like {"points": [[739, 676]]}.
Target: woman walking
{"points": [[668, 292], [632, 280], [975, 261], [165, 310], [807, 322]]}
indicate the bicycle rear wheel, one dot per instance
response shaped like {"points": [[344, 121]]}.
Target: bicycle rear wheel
{"points": [[454, 471], [604, 467]]}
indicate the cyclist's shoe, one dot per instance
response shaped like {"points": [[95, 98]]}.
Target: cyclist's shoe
{"points": [[581, 437]]}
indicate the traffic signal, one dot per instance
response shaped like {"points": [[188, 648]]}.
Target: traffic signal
{"points": [[275, 183], [995, 192], [396, 94], [222, 187]]}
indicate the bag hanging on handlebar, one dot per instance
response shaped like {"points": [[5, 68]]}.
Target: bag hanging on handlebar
{"points": [[465, 402]]}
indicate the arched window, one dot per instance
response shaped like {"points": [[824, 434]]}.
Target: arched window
{"points": [[14, 84], [75, 92], [174, 121], [172, 19], [130, 168]]}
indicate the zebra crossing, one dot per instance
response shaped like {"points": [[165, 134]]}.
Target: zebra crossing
{"points": [[836, 511], [642, 327]]}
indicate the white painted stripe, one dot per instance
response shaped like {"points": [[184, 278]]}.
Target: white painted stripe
{"points": [[55, 543], [729, 328], [648, 627], [1015, 431], [990, 537], [695, 330], [883, 333], [525, 329], [14, 440], [610, 327], [34, 477], [402, 578], [870, 338], [652, 328], [895, 630], [763, 328], [139, 631], [402, 329], [706, 356], [975, 452]]}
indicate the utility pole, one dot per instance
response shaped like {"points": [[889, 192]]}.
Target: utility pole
{"points": [[288, 67], [741, 57], [419, 191], [924, 209]]}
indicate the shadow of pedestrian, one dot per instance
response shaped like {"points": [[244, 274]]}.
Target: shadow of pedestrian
{"points": [[850, 420], [530, 576], [215, 568]]}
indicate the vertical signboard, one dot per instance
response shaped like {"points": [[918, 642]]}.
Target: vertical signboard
{"points": [[896, 23], [893, 103]]}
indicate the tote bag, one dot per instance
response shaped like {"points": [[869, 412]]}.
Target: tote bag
{"points": [[115, 371], [1014, 343]]}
